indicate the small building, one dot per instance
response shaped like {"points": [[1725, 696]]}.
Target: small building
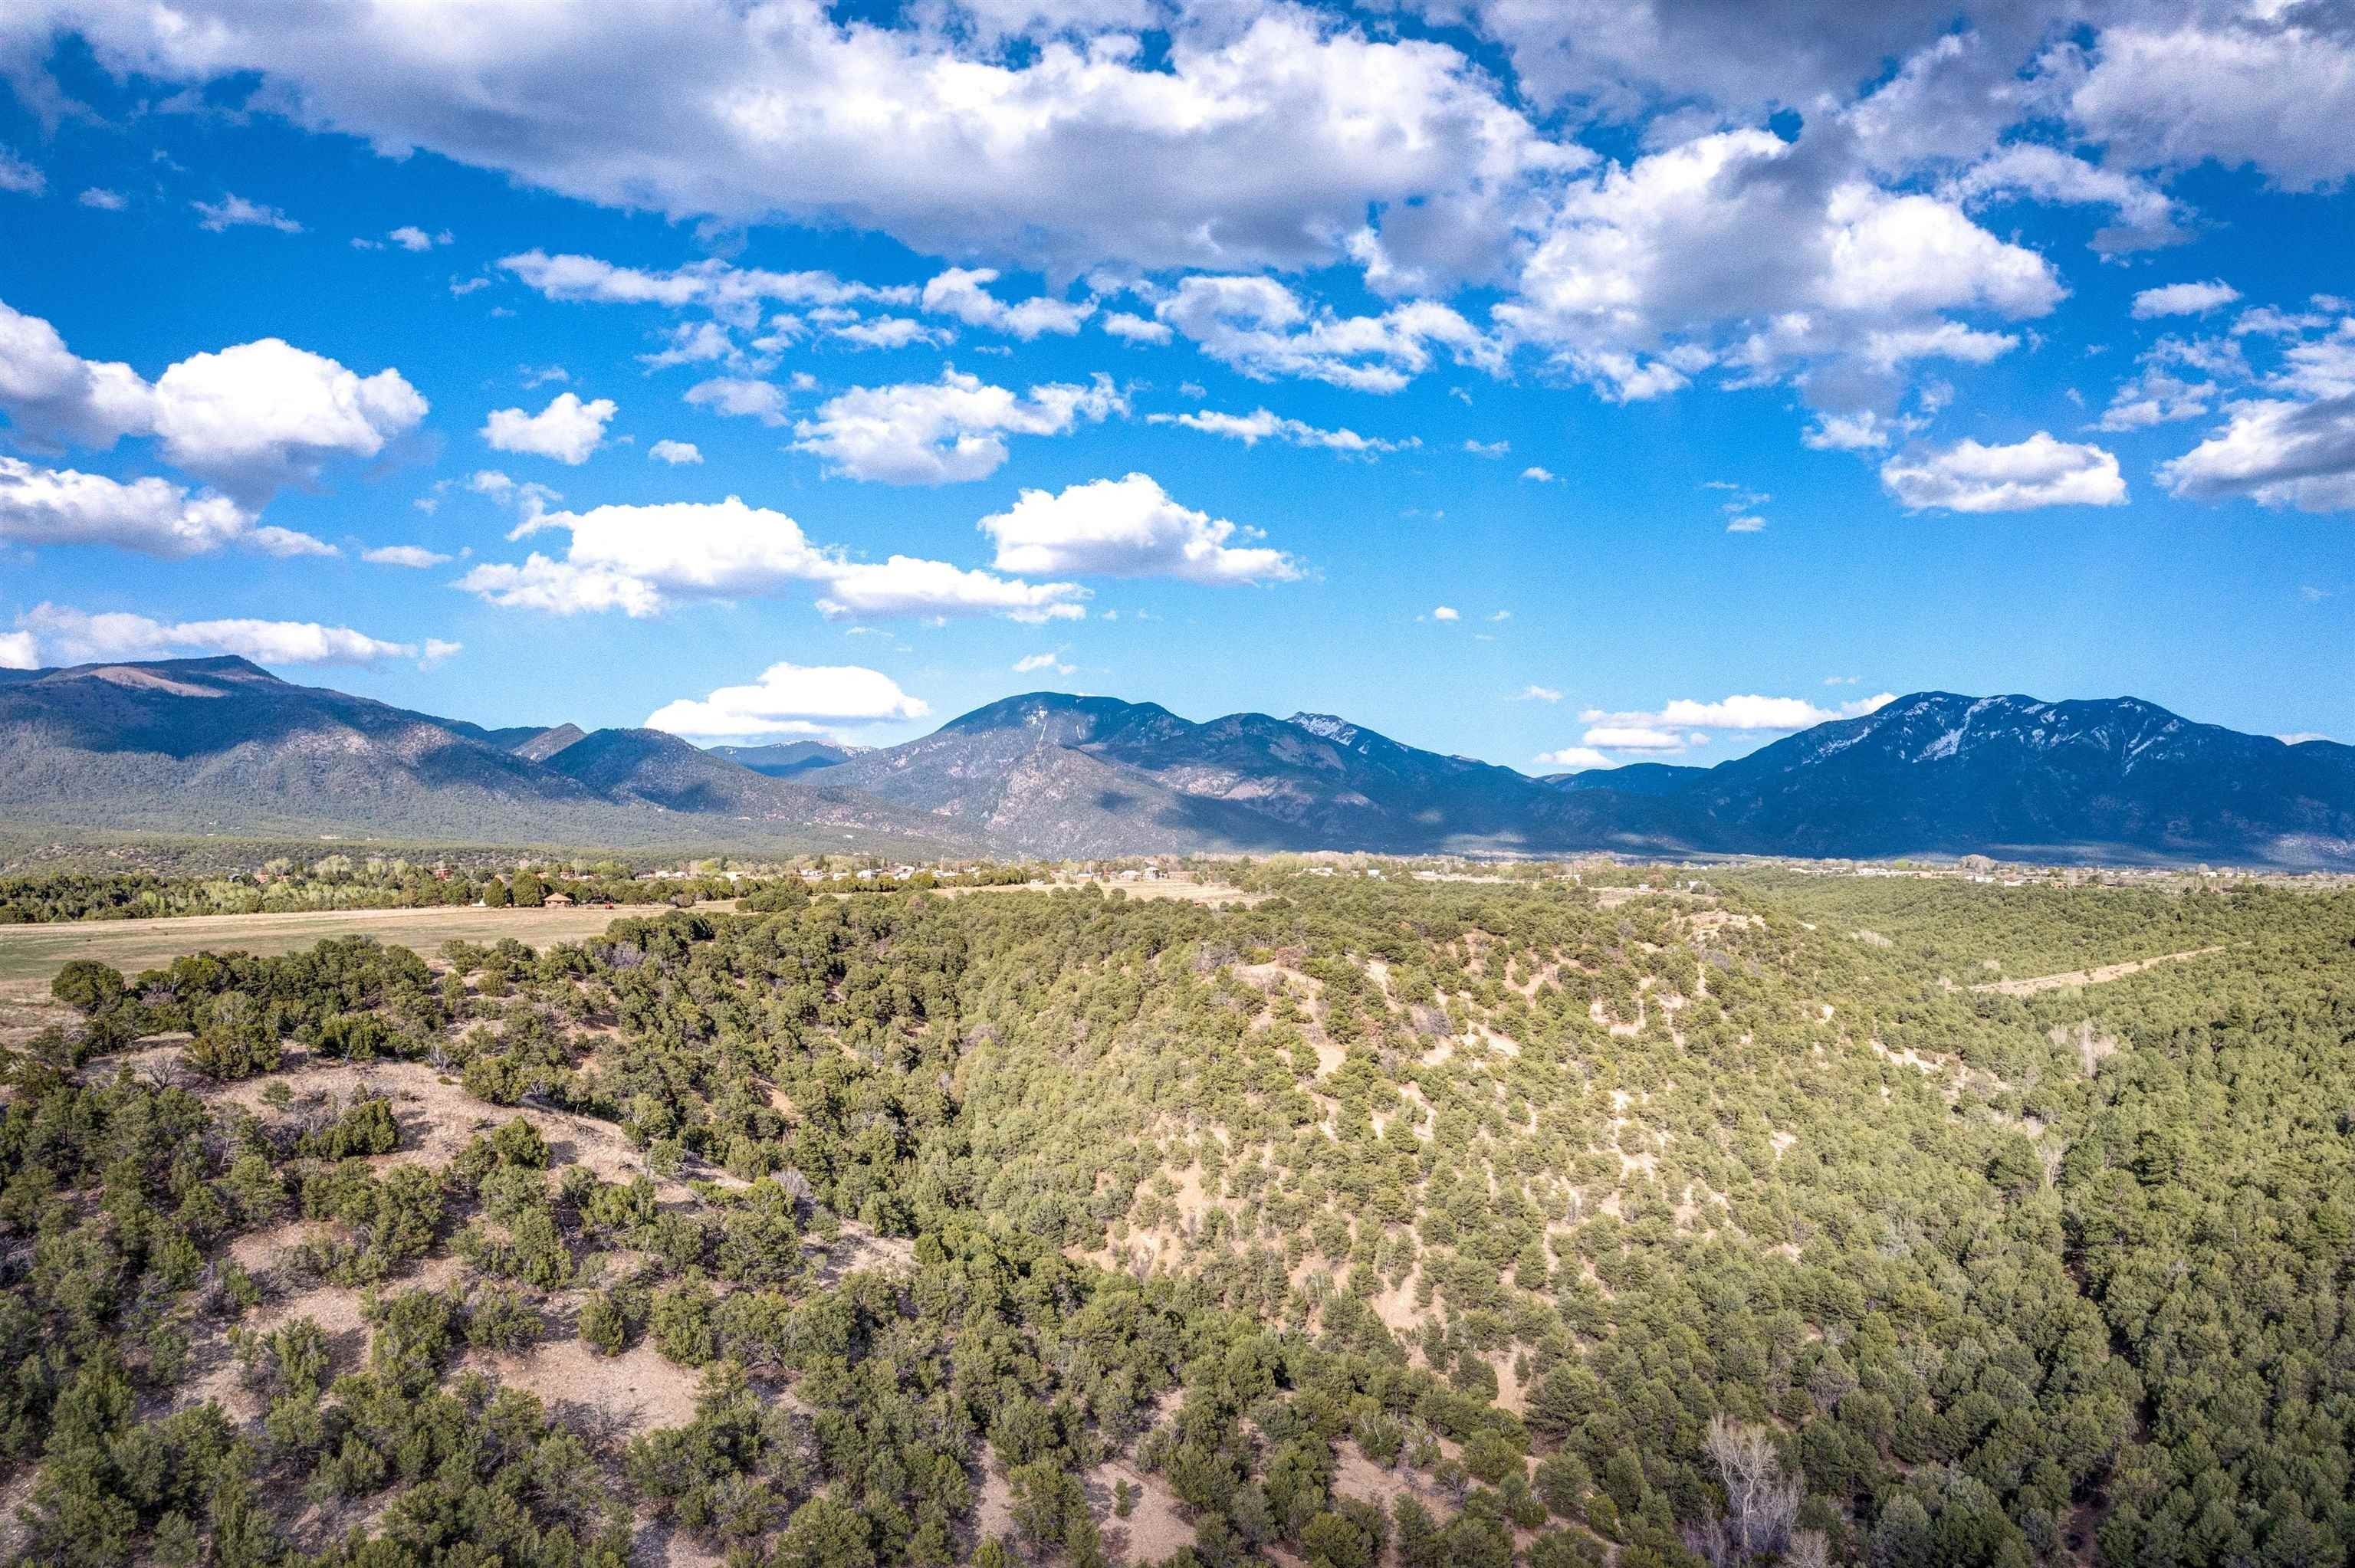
{"points": [[557, 901]]}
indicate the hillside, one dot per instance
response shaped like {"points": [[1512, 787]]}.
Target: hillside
{"points": [[222, 746], [1576, 1220]]}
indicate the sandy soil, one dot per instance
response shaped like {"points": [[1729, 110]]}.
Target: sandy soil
{"points": [[1155, 1529], [2108, 972], [634, 1391]]}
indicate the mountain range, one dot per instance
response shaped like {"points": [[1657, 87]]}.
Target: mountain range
{"points": [[221, 745]]}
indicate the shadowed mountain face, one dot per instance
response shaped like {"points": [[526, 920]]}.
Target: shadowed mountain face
{"points": [[790, 758], [221, 745], [2117, 778]]}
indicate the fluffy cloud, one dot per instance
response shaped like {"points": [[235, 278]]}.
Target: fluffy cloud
{"points": [[1130, 327], [152, 517], [1633, 738], [415, 556], [1446, 612], [904, 585], [2278, 451], [236, 212], [1031, 663], [2254, 86], [1576, 760], [2038, 472], [18, 650], [1244, 140], [249, 419], [792, 699], [1679, 726], [941, 432], [99, 198], [2145, 216], [54, 398], [262, 415], [740, 397], [1742, 250], [1262, 424], [68, 636], [567, 430], [963, 293], [674, 453], [1127, 528], [641, 560], [2183, 300], [409, 236]]}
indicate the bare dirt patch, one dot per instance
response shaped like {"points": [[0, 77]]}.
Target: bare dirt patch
{"points": [[2038, 984], [1156, 1527], [636, 1391]]}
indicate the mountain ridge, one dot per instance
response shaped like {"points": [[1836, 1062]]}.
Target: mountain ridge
{"points": [[222, 746]]}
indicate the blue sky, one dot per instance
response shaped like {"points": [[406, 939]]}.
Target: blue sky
{"points": [[1616, 385]]}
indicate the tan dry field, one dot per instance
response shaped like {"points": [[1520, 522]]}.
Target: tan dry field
{"points": [[31, 955]]}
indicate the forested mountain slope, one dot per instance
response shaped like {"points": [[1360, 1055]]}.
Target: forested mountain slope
{"points": [[1429, 1224]]}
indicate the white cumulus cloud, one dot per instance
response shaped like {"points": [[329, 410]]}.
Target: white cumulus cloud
{"points": [[2183, 299], [641, 560], [2039, 471], [1127, 527], [792, 699], [567, 430]]}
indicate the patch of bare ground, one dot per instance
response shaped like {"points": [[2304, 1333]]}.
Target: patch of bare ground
{"points": [[1156, 1527], [858, 1248], [14, 1495], [215, 1373], [438, 1118], [2038, 984], [1356, 1476], [993, 1513], [634, 1391]]}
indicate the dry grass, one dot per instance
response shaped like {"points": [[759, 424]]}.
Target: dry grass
{"points": [[31, 955]]}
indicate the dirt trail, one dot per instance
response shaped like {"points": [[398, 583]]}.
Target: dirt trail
{"points": [[2038, 984]]}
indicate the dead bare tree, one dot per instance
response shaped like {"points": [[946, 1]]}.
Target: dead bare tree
{"points": [[1761, 1503]]}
